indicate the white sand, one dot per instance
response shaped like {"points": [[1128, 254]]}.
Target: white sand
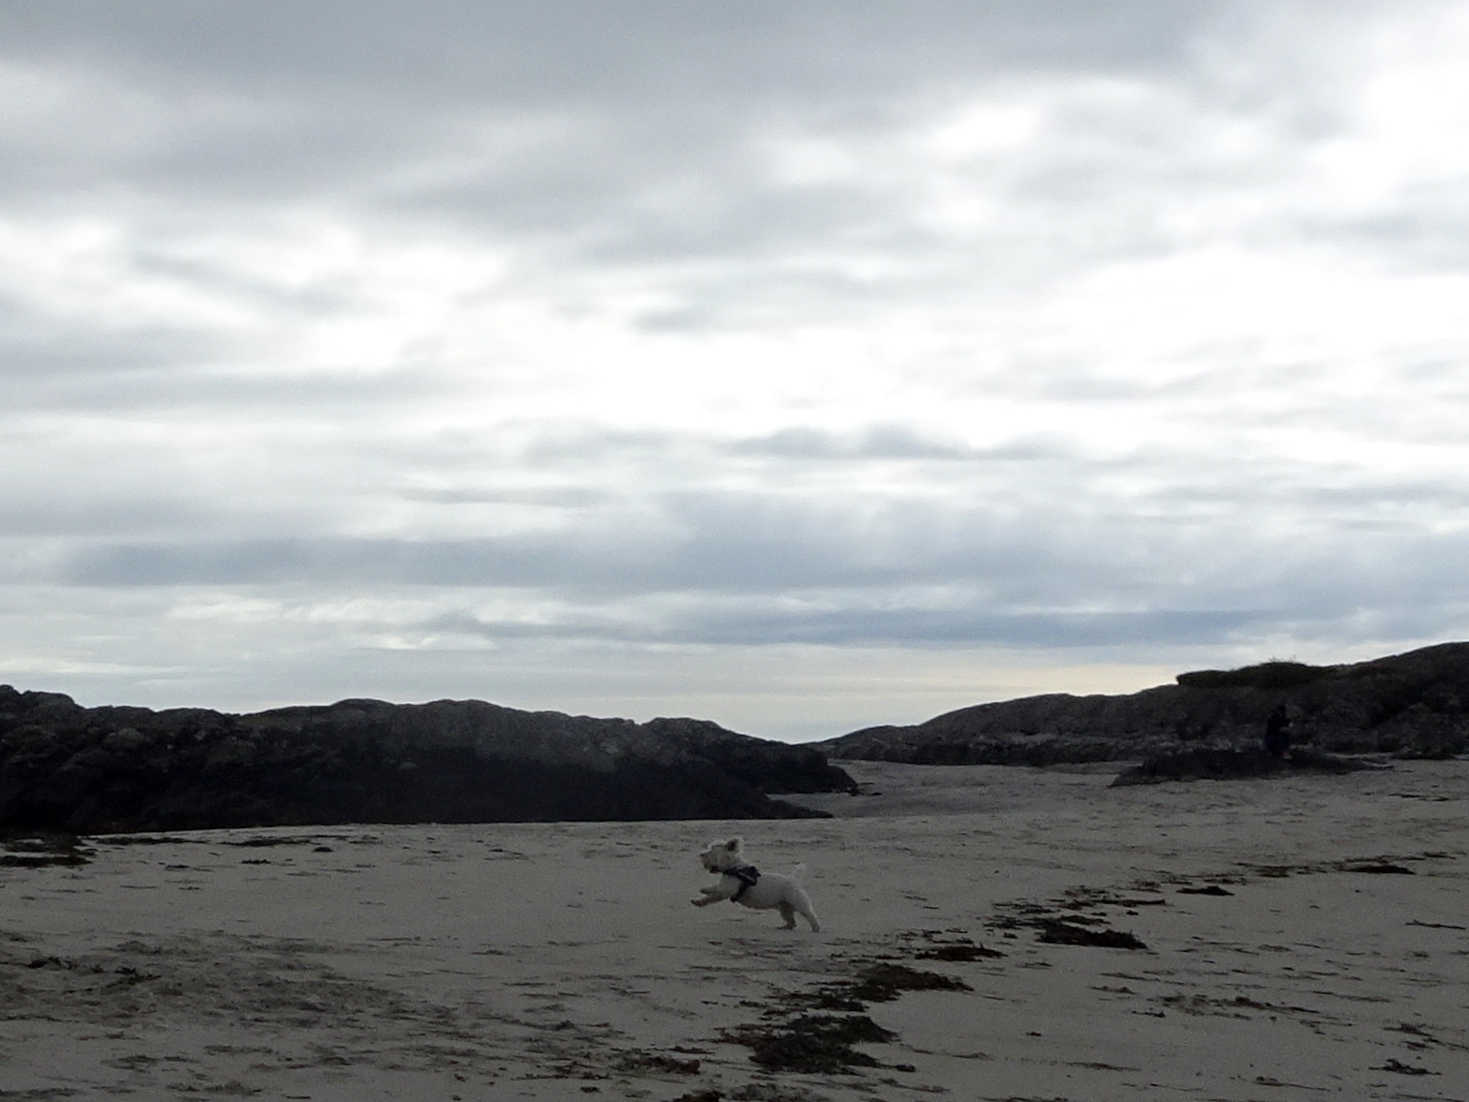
{"points": [[564, 961]]}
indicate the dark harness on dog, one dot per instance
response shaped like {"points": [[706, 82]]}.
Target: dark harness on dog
{"points": [[747, 875]]}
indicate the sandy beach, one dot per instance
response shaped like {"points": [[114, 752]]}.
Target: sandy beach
{"points": [[988, 933]]}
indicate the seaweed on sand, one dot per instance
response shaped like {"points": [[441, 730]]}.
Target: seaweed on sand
{"points": [[812, 1043], [43, 849], [1056, 931]]}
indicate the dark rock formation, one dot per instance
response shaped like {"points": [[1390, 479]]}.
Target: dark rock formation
{"points": [[91, 770], [1215, 763], [1409, 705]]}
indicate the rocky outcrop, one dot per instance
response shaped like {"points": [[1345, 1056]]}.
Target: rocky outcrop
{"points": [[1410, 705], [65, 767], [1218, 764]]}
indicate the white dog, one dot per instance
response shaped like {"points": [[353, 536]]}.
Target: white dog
{"points": [[745, 884]]}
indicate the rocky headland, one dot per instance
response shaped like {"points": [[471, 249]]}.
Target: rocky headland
{"points": [[106, 769], [1412, 705], [65, 767]]}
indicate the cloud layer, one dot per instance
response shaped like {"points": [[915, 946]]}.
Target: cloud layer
{"points": [[798, 366]]}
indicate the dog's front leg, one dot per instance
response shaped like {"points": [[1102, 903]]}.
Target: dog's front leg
{"points": [[715, 893]]}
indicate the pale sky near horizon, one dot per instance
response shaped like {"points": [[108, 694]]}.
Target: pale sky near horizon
{"points": [[798, 366]]}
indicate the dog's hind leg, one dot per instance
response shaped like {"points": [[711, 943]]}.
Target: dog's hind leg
{"points": [[803, 906], [788, 913]]}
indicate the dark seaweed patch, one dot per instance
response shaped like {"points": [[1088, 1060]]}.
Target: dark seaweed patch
{"points": [[1401, 1068], [820, 1044], [1058, 931], [879, 983], [821, 1036], [43, 850], [959, 951], [643, 1063]]}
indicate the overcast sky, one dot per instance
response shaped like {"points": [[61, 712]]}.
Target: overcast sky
{"points": [[799, 366]]}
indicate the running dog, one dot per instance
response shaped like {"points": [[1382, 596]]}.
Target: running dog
{"points": [[746, 885]]}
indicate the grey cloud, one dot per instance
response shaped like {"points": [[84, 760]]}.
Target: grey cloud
{"points": [[285, 300], [209, 563], [757, 221], [334, 99], [907, 627], [597, 142], [606, 563], [671, 542], [655, 46], [582, 443], [890, 441], [232, 394], [550, 497], [1406, 234], [748, 294], [876, 441], [709, 546], [53, 356], [630, 162], [974, 627], [885, 442], [27, 517], [55, 361], [681, 319]]}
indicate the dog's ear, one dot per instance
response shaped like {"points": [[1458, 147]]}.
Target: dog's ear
{"points": [[732, 845]]}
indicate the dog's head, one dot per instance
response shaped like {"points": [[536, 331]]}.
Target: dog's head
{"points": [[722, 855]]}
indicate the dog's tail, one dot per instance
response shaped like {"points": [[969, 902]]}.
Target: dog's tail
{"points": [[799, 872]]}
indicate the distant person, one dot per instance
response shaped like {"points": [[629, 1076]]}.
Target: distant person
{"points": [[1277, 732]]}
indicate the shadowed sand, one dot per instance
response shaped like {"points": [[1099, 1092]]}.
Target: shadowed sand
{"points": [[989, 933]]}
